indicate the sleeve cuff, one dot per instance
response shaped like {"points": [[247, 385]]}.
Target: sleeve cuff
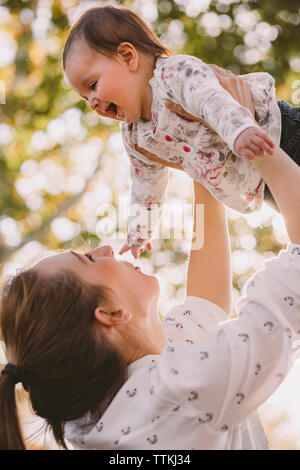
{"points": [[213, 310], [294, 247], [234, 136]]}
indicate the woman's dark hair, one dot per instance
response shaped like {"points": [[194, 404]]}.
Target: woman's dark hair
{"points": [[50, 333], [104, 28]]}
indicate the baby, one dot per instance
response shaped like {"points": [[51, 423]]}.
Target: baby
{"points": [[115, 62]]}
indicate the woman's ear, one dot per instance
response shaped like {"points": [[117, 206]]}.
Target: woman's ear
{"points": [[112, 318], [129, 55]]}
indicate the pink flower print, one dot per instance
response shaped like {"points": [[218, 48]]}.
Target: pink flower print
{"points": [[207, 157], [154, 121], [150, 203], [140, 170], [167, 74], [214, 176], [135, 237], [129, 141], [257, 196], [250, 197], [138, 230], [154, 117], [260, 194], [131, 237], [244, 112], [198, 167]]}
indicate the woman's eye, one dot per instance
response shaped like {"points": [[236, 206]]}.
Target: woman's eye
{"points": [[92, 85], [89, 257]]}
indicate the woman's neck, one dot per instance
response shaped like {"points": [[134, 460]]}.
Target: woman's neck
{"points": [[144, 337]]}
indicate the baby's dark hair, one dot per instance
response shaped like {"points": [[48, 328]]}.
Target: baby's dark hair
{"points": [[104, 28]]}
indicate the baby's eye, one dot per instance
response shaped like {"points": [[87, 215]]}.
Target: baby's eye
{"points": [[92, 85], [90, 257]]}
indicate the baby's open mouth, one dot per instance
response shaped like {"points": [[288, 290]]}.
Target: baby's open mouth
{"points": [[112, 108]]}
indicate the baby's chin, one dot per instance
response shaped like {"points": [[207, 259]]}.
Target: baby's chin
{"points": [[134, 117]]}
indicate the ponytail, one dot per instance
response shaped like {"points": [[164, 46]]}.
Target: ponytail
{"points": [[10, 431], [54, 347]]}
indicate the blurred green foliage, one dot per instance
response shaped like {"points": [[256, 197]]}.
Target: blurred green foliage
{"points": [[37, 97]]}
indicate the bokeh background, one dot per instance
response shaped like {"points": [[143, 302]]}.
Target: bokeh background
{"points": [[63, 169]]}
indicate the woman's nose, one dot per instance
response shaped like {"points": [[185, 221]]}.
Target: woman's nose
{"points": [[105, 250]]}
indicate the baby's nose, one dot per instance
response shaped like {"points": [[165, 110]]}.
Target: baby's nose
{"points": [[93, 104]]}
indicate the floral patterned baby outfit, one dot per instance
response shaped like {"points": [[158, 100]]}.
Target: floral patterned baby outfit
{"points": [[206, 155], [203, 390]]}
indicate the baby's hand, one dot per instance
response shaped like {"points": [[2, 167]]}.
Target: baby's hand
{"points": [[253, 142], [135, 250]]}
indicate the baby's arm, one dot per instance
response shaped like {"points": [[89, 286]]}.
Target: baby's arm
{"points": [[148, 194], [192, 84]]}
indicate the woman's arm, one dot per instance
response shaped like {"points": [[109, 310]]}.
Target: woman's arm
{"points": [[282, 175], [209, 267]]}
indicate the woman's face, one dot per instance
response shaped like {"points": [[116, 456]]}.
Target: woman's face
{"points": [[134, 290]]}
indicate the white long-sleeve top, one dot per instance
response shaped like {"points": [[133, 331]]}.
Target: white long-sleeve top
{"points": [[205, 155], [203, 390]]}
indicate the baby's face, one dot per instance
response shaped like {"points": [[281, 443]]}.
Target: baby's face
{"points": [[114, 88]]}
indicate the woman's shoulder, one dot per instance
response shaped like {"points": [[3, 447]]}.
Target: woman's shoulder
{"points": [[193, 319]]}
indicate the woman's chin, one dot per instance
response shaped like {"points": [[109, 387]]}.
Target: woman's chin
{"points": [[156, 282]]}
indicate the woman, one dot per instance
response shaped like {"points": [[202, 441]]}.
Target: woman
{"points": [[84, 337]]}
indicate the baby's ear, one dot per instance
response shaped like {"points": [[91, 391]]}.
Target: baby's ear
{"points": [[129, 55]]}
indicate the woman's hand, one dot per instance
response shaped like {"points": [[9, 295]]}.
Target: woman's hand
{"points": [[177, 109], [155, 158]]}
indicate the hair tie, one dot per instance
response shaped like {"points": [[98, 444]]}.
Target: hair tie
{"points": [[16, 373]]}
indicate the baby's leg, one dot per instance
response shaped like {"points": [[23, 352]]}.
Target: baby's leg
{"points": [[290, 139]]}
